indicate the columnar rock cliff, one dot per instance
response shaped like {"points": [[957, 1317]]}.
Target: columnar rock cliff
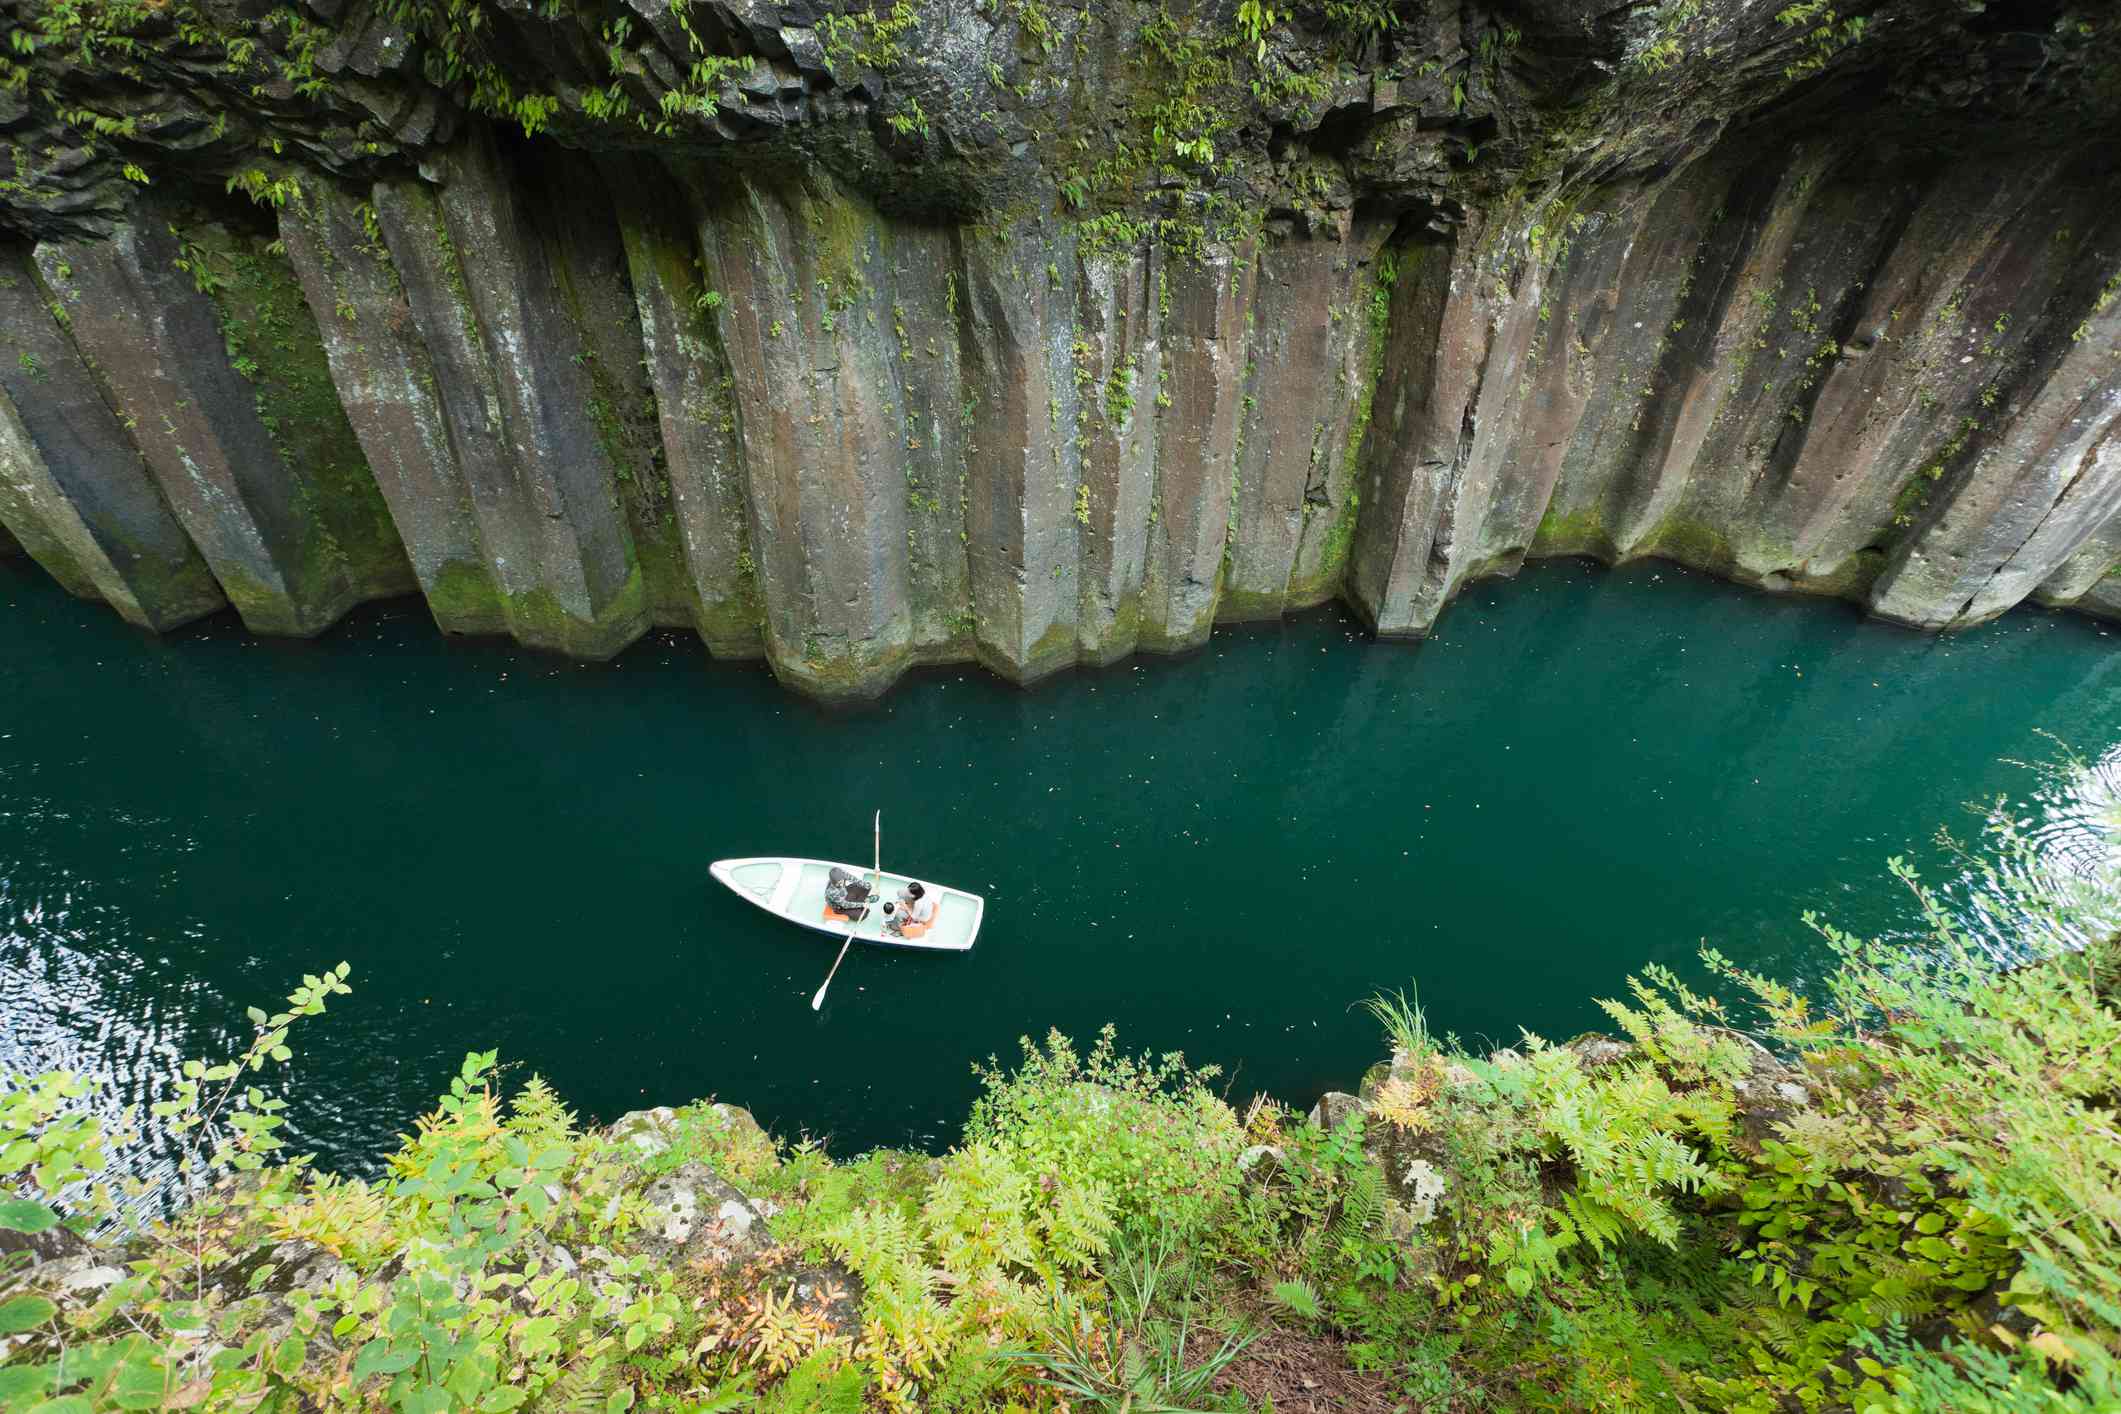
{"points": [[863, 338]]}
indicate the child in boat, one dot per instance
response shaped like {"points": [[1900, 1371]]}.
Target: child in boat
{"points": [[914, 909]]}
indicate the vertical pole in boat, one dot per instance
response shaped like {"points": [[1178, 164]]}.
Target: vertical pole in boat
{"points": [[817, 1003]]}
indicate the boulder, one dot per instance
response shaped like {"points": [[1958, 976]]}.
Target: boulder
{"points": [[1767, 1095], [276, 1269], [653, 1132], [694, 1217], [54, 1244], [1594, 1051], [1336, 1107], [1261, 1163], [81, 1274], [647, 1132]]}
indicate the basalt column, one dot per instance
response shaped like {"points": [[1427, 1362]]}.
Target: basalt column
{"points": [[200, 335], [388, 383], [1617, 323], [1120, 351], [939, 424], [585, 251], [1646, 465], [2039, 430], [1541, 374], [510, 369], [1815, 224], [1025, 401], [695, 402], [1199, 397], [1416, 492], [2090, 579], [1307, 367], [806, 319], [73, 490], [1941, 318]]}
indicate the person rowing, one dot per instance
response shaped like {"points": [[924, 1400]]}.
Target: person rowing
{"points": [[846, 897]]}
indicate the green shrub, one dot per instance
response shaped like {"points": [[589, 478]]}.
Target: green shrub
{"points": [[1928, 1217], [1144, 1133]]}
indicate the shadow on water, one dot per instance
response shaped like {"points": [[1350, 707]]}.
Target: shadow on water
{"points": [[1583, 772]]}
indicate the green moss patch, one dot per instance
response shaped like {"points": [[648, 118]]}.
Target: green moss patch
{"points": [[272, 342], [463, 598]]}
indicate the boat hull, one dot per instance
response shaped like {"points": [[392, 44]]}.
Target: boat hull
{"points": [[794, 889]]}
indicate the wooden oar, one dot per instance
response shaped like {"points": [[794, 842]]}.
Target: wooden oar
{"points": [[817, 1003]]}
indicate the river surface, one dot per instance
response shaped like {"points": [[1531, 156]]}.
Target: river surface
{"points": [[1584, 771]]}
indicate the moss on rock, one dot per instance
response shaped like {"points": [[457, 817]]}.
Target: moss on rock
{"points": [[272, 342]]}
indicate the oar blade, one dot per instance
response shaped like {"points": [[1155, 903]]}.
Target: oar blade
{"points": [[817, 1003]]}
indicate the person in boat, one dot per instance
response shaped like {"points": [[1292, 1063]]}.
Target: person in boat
{"points": [[846, 897], [914, 913]]}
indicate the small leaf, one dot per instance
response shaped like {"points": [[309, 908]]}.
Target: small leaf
{"points": [[2053, 1347], [189, 1396], [19, 1382], [142, 1383], [24, 1313], [22, 1215]]}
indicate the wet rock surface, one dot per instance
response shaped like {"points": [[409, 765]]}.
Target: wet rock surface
{"points": [[861, 340]]}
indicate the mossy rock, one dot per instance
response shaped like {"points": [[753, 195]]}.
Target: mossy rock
{"points": [[273, 343]]}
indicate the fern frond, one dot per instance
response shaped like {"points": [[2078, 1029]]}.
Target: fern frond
{"points": [[1362, 1204], [537, 1116], [1299, 1297]]}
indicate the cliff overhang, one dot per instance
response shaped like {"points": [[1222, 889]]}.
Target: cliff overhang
{"points": [[1032, 335]]}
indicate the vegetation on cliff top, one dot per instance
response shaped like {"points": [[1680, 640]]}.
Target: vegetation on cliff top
{"points": [[1898, 1189]]}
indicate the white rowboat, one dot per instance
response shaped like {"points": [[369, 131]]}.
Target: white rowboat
{"points": [[794, 889]]}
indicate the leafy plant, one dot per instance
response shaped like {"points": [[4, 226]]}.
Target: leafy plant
{"points": [[1124, 1358], [1298, 1297], [1404, 1022]]}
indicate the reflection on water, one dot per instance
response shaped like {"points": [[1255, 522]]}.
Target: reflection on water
{"points": [[2045, 874], [2078, 829], [1583, 773], [73, 1002]]}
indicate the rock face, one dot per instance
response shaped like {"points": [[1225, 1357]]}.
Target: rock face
{"points": [[1745, 370], [284, 513], [860, 341], [73, 489]]}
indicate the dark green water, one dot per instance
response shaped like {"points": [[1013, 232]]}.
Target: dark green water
{"points": [[1585, 771]]}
